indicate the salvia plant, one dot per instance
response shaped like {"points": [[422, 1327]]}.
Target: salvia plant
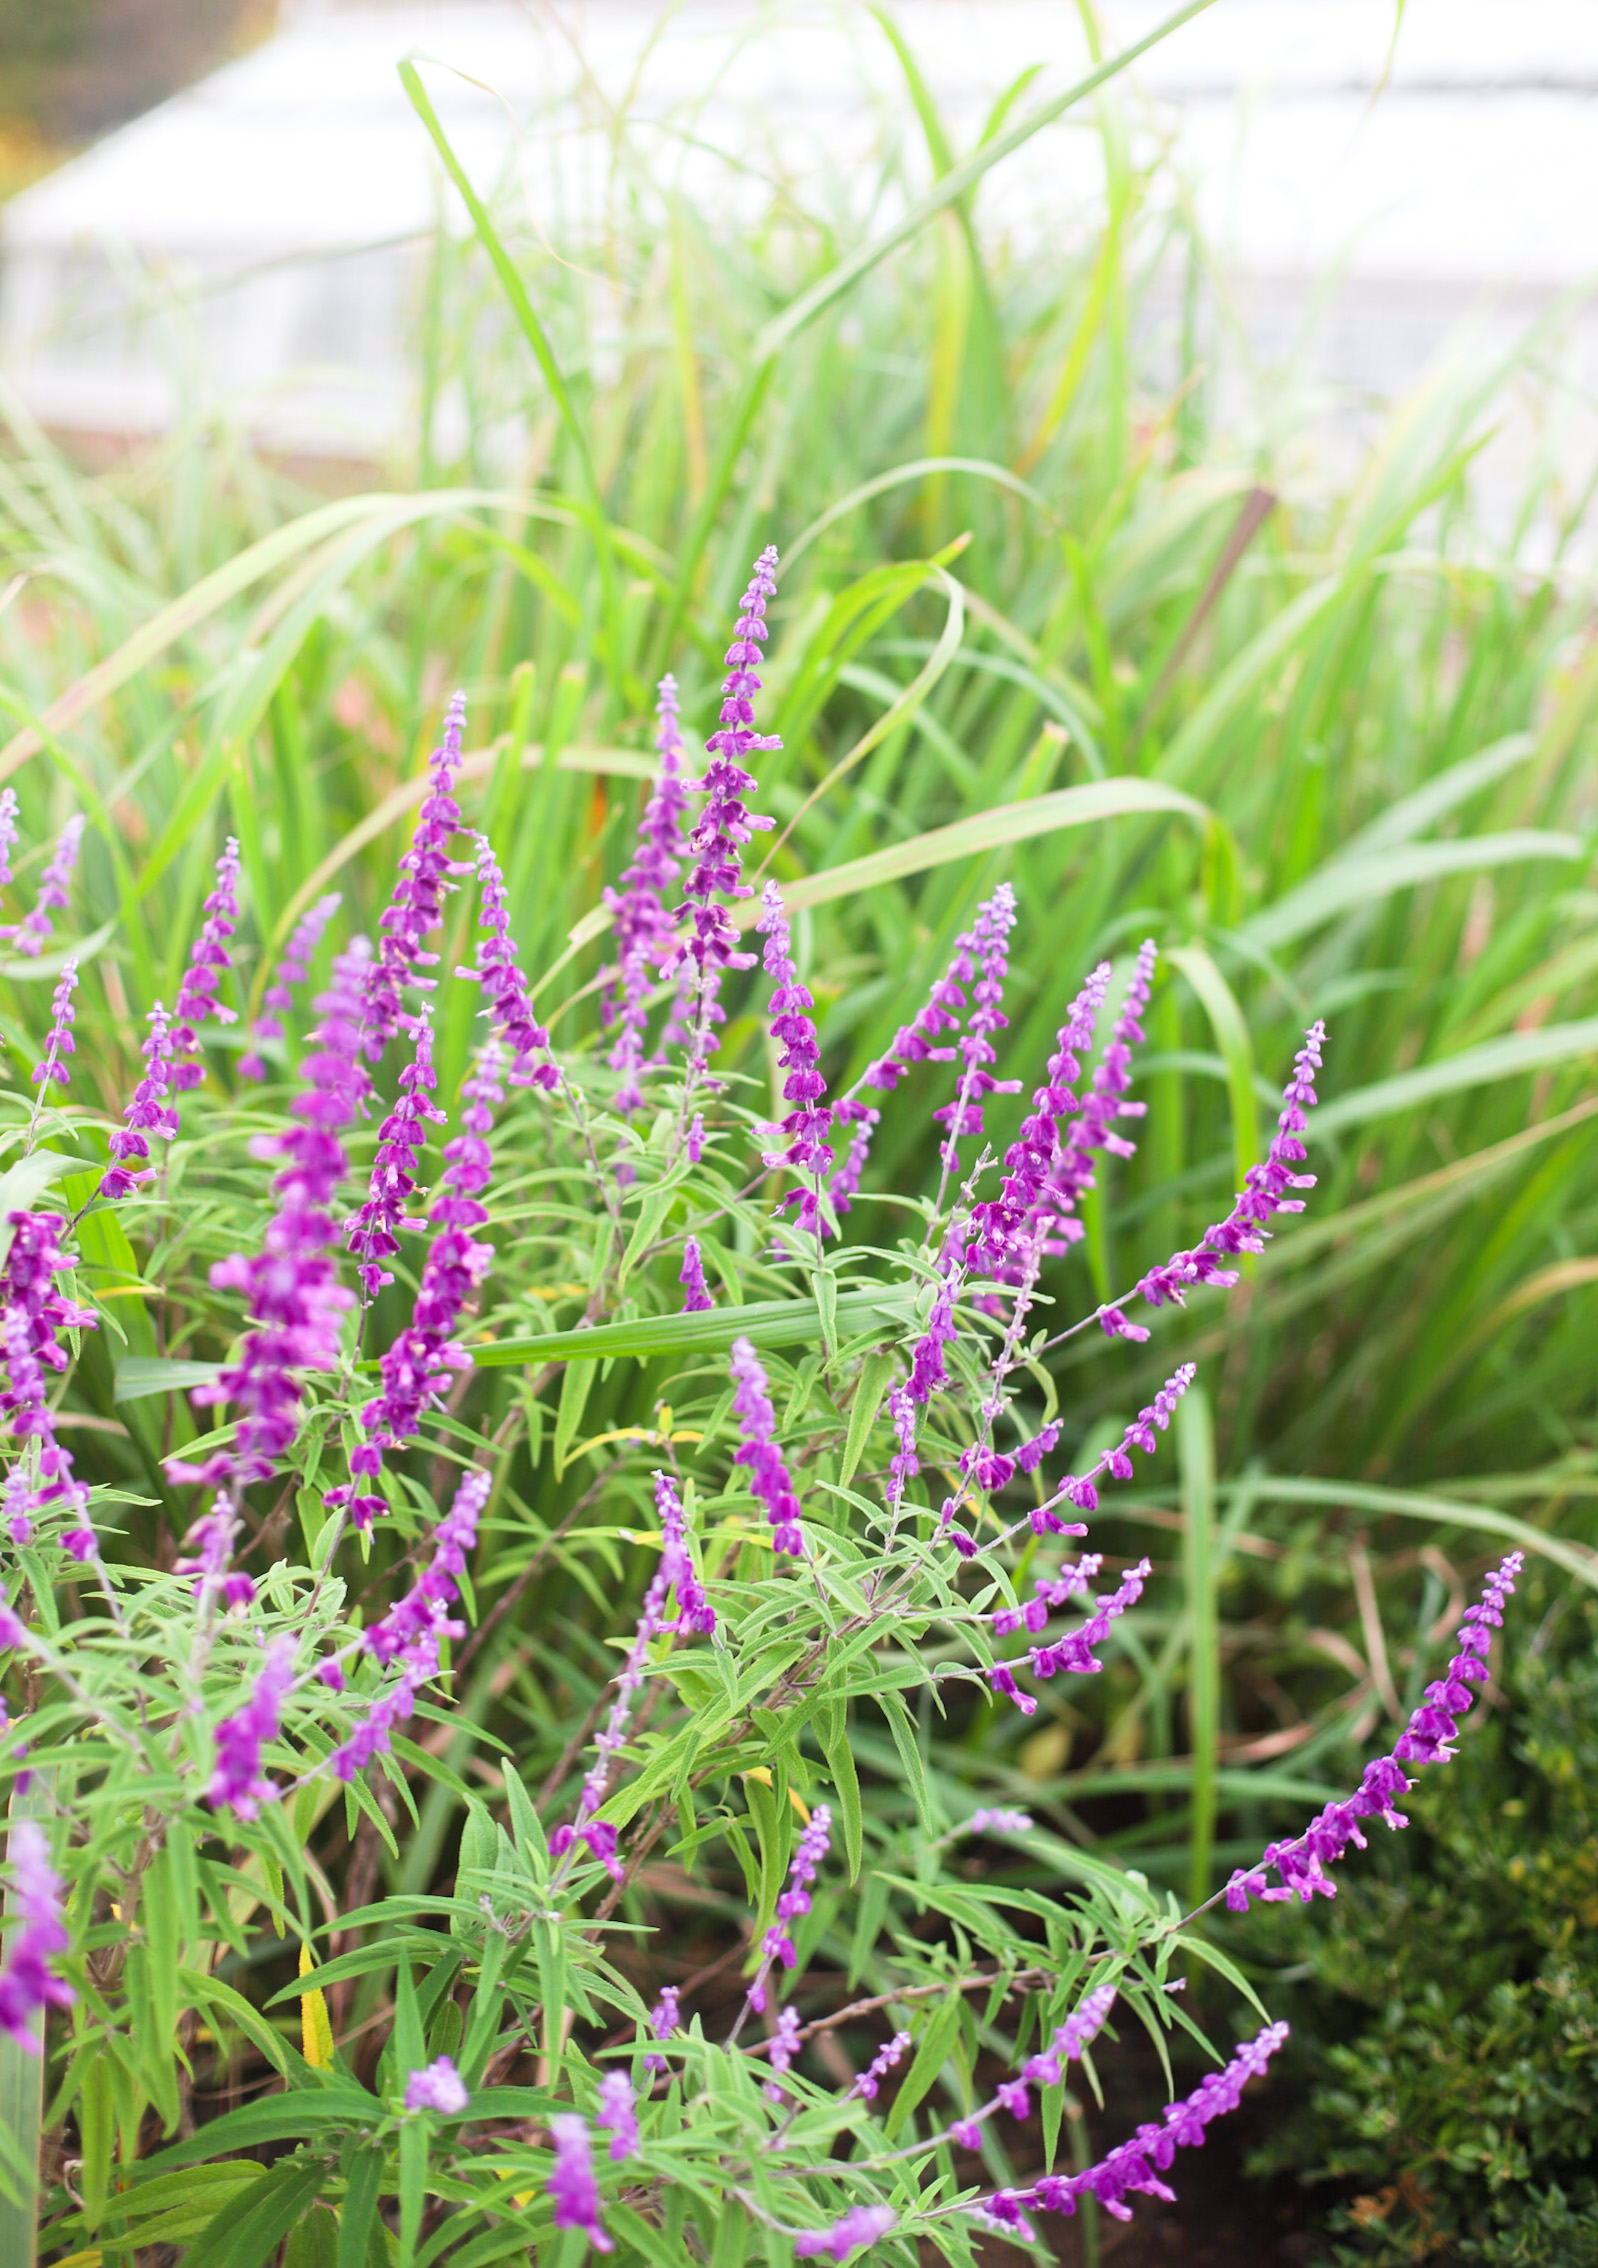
{"points": [[849, 1492]]}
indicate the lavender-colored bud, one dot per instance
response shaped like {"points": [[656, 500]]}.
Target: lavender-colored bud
{"points": [[150, 1112], [999, 1822], [498, 970], [208, 958], [844, 1186], [784, 2047], [696, 1139], [417, 906], [807, 1123], [694, 1611], [291, 970], [51, 1070], [903, 1465], [8, 832], [861, 2225], [692, 1279], [374, 1231], [809, 1853], [438, 2086], [1091, 1129], [572, 2189], [769, 1478], [35, 1936], [617, 2115], [927, 1372], [30, 936], [988, 946], [1262, 1197], [237, 1782], [869, 2083], [664, 2018]]}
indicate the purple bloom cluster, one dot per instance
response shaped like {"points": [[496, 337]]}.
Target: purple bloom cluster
{"points": [[726, 823], [1262, 1197], [291, 1288], [783, 2047], [51, 1071], [643, 927], [510, 1004], [54, 893], [617, 2115], [692, 1279], [861, 2225], [417, 1367], [1080, 1489], [35, 1313], [35, 1937], [8, 834], [758, 1453], [1006, 1226], [423, 1611], [927, 1372], [150, 1112], [375, 1229], [207, 959], [904, 1464], [237, 1782], [1000, 1821], [1092, 1129], [1131, 2167], [417, 906], [1045, 2069], [438, 2086], [211, 1541], [664, 2018], [1074, 1652], [291, 970], [573, 2191], [808, 1855], [808, 1122], [844, 1186], [1428, 1738], [869, 2084], [988, 946]]}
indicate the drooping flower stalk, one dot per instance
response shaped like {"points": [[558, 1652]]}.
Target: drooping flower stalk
{"points": [[1300, 1865], [808, 1122], [643, 927], [237, 1781], [291, 970], [1074, 1652], [207, 960], [758, 1453], [781, 2049], [35, 1937], [844, 1186], [1000, 1821], [150, 1112], [724, 825], [1092, 1129], [1080, 1489], [29, 937], [869, 2084], [375, 1230], [573, 2191], [1045, 2069], [417, 906]]}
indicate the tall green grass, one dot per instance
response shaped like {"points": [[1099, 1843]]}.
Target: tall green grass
{"points": [[1333, 747]]}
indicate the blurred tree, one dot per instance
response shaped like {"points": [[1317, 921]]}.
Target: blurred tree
{"points": [[71, 69]]}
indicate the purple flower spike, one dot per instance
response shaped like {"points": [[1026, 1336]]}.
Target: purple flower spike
{"points": [[35, 1314], [1006, 1228], [438, 2086], [904, 1464], [51, 1071], [617, 2116], [664, 2018], [1000, 1822], [291, 1289], [784, 2047], [35, 1936], [572, 2189], [417, 906], [150, 1112], [808, 1122], [237, 1783], [374, 1231], [927, 1372], [845, 1183], [1080, 1490], [869, 2083], [207, 960], [643, 926], [758, 1453], [8, 835], [291, 970], [510, 1004], [692, 1279], [1092, 1128], [861, 2225], [808, 1855], [1073, 1653], [725, 823], [988, 946], [422, 1613], [1262, 1197], [1428, 1738], [54, 893]]}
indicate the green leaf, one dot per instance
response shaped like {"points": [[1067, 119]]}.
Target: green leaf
{"points": [[1195, 1445], [249, 2228], [834, 1727], [140, 1376], [1455, 1074], [765, 1322], [930, 2057], [1230, 1027], [875, 1372], [574, 1389], [314, 2244], [357, 2221], [1356, 881]]}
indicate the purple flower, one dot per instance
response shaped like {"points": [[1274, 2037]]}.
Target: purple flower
{"points": [[1006, 1227], [807, 1123], [374, 1231], [758, 1452], [417, 906], [617, 2115], [52, 1071], [1080, 1490], [1079, 2031], [29, 938], [150, 1112], [8, 832], [784, 2047], [422, 1612], [869, 2083], [572, 2189], [13, 1631], [510, 1004], [692, 1279], [1000, 1822], [1074, 1652], [34, 1315], [914, 1043], [437, 2086], [696, 1139], [291, 970], [664, 2018], [927, 1372], [207, 959], [987, 945], [291, 1288], [1092, 1128], [35, 1936], [809, 1852], [642, 925], [237, 1781], [862, 2224], [845, 1184], [725, 823], [904, 1464], [1300, 1865], [1262, 1197], [676, 1564], [1131, 2168]]}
